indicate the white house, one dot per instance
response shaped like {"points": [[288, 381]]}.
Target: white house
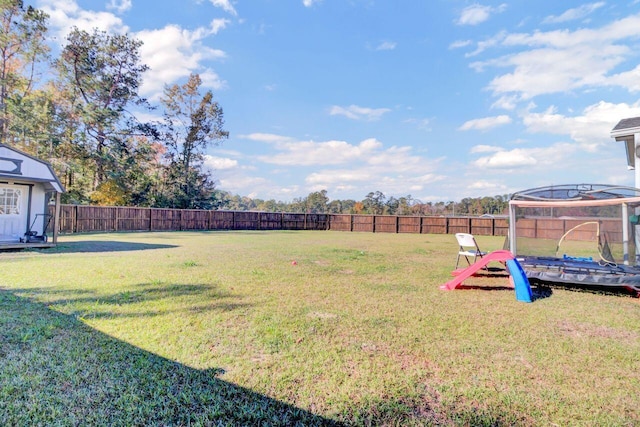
{"points": [[29, 200]]}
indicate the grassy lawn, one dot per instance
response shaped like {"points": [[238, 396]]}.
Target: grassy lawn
{"points": [[225, 328]]}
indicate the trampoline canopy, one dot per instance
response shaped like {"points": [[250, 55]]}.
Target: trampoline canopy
{"points": [[577, 220]]}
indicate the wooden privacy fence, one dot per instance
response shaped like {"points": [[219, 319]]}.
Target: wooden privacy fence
{"points": [[85, 219], [584, 229]]}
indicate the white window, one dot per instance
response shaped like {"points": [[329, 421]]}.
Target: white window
{"points": [[10, 201]]}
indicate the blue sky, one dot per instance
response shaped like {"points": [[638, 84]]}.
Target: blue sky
{"points": [[436, 99]]}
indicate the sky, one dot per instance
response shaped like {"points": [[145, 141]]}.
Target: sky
{"points": [[434, 99]]}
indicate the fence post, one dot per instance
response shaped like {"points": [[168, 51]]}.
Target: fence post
{"points": [[397, 224], [74, 225], [421, 224]]}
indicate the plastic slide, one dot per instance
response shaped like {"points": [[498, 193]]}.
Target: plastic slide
{"points": [[520, 281]]}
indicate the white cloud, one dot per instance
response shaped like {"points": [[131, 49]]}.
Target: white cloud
{"points": [[119, 6], [66, 14], [358, 113], [268, 138], [173, 53], [590, 130], [562, 61], [507, 159], [506, 102], [220, 163], [309, 3], [486, 123], [225, 5], [491, 187], [627, 79], [477, 14], [460, 43], [589, 141], [345, 166], [386, 46], [306, 153], [575, 13], [485, 149]]}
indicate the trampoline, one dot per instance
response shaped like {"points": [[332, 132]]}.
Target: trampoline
{"points": [[583, 235]]}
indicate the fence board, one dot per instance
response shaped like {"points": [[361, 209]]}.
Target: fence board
{"points": [[270, 221], [500, 227], [482, 226], [459, 225], [339, 222], [409, 224], [191, 219], [317, 222], [221, 220], [165, 219], [94, 218], [67, 220], [247, 221], [363, 223], [385, 224], [434, 225], [133, 219]]}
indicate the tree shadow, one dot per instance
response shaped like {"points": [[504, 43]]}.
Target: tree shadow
{"points": [[206, 297], [101, 246], [58, 370]]}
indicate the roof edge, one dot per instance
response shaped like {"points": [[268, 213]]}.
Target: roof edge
{"points": [[56, 184]]}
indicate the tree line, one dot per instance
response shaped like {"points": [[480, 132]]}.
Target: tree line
{"points": [[81, 110], [374, 203]]}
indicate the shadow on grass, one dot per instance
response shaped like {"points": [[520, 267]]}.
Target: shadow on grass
{"points": [[88, 304], [538, 291], [57, 370], [101, 246]]}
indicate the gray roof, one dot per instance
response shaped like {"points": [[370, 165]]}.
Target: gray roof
{"points": [[633, 122], [33, 169]]}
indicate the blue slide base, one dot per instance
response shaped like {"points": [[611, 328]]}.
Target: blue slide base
{"points": [[523, 288]]}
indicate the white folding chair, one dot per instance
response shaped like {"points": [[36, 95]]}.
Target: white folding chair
{"points": [[468, 248]]}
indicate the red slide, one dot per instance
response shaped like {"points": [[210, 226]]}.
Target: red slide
{"points": [[496, 256]]}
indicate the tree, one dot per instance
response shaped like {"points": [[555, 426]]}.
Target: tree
{"points": [[100, 75], [192, 123], [374, 203], [22, 46], [317, 202]]}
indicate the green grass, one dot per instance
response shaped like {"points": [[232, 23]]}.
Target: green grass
{"points": [[224, 328]]}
